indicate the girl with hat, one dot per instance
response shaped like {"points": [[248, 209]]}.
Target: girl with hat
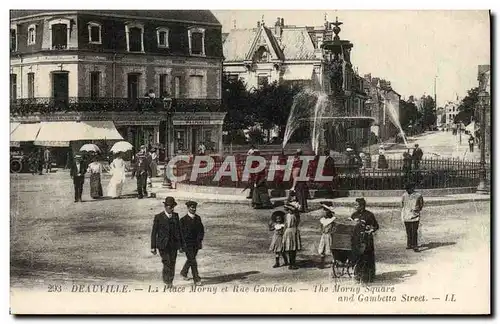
{"points": [[291, 236], [325, 242], [277, 225]]}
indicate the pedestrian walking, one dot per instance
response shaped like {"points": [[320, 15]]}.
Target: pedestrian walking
{"points": [[411, 205], [365, 270], [142, 170], [326, 222], [291, 237], [47, 159], [40, 161], [95, 170], [471, 143], [77, 172], [417, 156], [277, 226], [166, 238], [117, 170], [193, 232]]}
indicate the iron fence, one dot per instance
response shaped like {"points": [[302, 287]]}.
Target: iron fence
{"points": [[430, 173], [44, 105]]}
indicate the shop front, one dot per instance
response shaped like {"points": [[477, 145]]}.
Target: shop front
{"points": [[190, 130]]}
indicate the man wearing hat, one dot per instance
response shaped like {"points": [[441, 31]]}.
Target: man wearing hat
{"points": [[77, 172], [167, 238], [411, 205], [192, 231], [142, 170]]}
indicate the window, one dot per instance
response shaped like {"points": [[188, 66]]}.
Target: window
{"points": [[59, 33], [262, 80], [135, 39], [13, 86], [163, 85], [162, 37], [31, 85], [177, 87], [95, 33], [197, 41], [195, 86], [59, 36], [95, 78], [13, 39], [31, 34]]}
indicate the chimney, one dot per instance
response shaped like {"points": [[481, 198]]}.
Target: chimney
{"points": [[278, 28]]}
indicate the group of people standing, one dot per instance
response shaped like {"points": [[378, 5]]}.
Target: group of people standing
{"points": [[144, 167]]}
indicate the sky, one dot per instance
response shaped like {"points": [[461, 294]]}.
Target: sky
{"points": [[411, 49]]}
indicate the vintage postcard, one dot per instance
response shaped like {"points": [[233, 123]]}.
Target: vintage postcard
{"points": [[250, 162]]}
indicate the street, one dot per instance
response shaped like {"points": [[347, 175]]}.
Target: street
{"points": [[440, 144], [54, 240]]}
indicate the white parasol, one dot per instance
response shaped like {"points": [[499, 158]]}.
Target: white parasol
{"points": [[121, 146], [90, 148]]}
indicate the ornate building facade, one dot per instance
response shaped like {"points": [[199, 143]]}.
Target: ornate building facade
{"points": [[296, 55], [156, 75]]}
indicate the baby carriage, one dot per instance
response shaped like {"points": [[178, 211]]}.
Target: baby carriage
{"points": [[349, 241]]}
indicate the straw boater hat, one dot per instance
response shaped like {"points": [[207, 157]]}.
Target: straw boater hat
{"points": [[327, 205]]}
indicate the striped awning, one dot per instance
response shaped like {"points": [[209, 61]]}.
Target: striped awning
{"points": [[24, 133], [62, 133]]}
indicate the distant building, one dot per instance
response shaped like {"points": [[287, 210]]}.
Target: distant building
{"points": [[450, 111], [384, 106]]}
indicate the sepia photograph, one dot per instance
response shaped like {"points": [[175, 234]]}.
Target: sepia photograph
{"points": [[183, 162]]}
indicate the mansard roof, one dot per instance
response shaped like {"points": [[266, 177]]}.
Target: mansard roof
{"points": [[295, 43], [195, 16]]}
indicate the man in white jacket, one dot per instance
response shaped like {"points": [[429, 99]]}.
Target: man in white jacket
{"points": [[412, 204]]}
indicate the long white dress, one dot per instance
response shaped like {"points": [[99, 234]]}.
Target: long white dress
{"points": [[117, 171]]}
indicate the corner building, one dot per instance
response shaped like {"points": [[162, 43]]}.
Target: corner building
{"points": [[86, 65]]}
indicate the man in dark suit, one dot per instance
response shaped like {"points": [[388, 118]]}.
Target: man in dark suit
{"points": [[166, 237], [77, 172], [142, 170], [192, 233]]}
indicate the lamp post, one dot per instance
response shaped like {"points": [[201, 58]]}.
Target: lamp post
{"points": [[484, 101], [167, 105]]}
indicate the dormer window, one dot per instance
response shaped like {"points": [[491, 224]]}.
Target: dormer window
{"points": [[197, 41], [94, 33], [59, 33], [13, 38], [135, 37], [31, 34], [162, 37]]}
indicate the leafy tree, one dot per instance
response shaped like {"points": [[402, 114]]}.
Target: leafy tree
{"points": [[408, 113], [272, 104], [467, 107], [429, 117], [235, 98]]}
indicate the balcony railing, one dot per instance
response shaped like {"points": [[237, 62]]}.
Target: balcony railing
{"points": [[28, 106]]}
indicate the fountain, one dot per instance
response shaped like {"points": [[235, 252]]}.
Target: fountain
{"points": [[329, 113]]}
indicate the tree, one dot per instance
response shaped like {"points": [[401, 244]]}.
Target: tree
{"points": [[408, 113], [272, 104], [236, 100], [429, 117], [467, 107]]}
